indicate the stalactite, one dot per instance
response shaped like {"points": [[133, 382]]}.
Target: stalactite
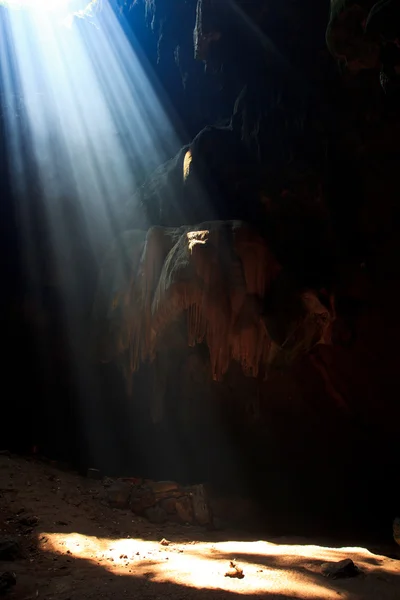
{"points": [[220, 298], [250, 341], [217, 310], [219, 274], [259, 265], [159, 242]]}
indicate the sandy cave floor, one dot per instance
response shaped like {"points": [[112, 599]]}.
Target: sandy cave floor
{"points": [[76, 547]]}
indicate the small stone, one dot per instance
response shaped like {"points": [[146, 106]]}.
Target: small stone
{"points": [[93, 474], [343, 568], [155, 514], [235, 572], [118, 495], [184, 509], [165, 542], [10, 550]]}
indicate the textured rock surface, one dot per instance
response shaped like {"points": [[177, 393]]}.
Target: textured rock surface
{"points": [[160, 501], [118, 494], [155, 514], [184, 509], [219, 275], [396, 530], [342, 569]]}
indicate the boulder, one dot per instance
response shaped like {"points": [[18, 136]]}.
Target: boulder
{"points": [[184, 509], [118, 494], [169, 505], [338, 570], [141, 499]]}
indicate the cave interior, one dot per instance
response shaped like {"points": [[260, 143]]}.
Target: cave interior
{"points": [[200, 251]]}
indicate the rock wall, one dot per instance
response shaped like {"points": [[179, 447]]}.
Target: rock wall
{"points": [[161, 501]]}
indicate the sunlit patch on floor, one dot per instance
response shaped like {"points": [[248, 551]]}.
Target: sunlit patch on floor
{"points": [[268, 567]]}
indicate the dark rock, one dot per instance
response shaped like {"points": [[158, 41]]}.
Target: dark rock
{"points": [[165, 542], [155, 514], [343, 568], [141, 498], [93, 474], [7, 581], [169, 505], [184, 509], [10, 550], [118, 494], [234, 571], [396, 530], [201, 509]]}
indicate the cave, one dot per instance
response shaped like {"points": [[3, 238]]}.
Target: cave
{"points": [[200, 273]]}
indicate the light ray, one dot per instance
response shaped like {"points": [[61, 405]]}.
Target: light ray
{"points": [[93, 120], [85, 122]]}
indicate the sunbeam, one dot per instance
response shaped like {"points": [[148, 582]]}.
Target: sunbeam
{"points": [[85, 122], [81, 115], [56, 7], [89, 109]]}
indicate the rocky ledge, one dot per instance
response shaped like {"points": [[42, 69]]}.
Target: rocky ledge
{"points": [[161, 501]]}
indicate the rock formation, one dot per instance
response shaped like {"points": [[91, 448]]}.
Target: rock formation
{"points": [[220, 276]]}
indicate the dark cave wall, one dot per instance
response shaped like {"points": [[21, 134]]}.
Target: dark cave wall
{"points": [[345, 455]]}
